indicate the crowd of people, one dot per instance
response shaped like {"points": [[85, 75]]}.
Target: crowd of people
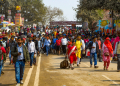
{"points": [[75, 44]]}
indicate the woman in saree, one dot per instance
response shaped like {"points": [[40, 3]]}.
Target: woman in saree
{"points": [[72, 54], [107, 53]]}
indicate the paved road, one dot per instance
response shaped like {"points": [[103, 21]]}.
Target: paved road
{"points": [[48, 73]]}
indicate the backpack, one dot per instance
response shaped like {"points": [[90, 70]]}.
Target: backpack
{"points": [[0, 54], [4, 43], [64, 64]]}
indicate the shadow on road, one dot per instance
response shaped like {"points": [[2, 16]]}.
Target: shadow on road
{"points": [[7, 84], [60, 58], [9, 70], [114, 85], [112, 80], [102, 70]]}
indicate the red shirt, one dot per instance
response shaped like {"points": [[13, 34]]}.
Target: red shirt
{"points": [[61, 38], [3, 51], [58, 42]]}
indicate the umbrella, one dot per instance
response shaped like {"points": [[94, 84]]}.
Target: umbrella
{"points": [[5, 22], [11, 24], [6, 28]]}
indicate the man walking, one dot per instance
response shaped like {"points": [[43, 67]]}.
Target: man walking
{"points": [[31, 50], [64, 44], [11, 44], [117, 51], [20, 56], [47, 44], [94, 50]]}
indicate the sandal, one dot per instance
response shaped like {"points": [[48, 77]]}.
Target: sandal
{"points": [[104, 67], [72, 68]]}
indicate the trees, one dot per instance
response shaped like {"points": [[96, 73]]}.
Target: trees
{"points": [[33, 10], [101, 4], [53, 13], [111, 5], [90, 16]]}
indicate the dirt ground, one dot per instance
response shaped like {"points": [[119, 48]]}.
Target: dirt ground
{"points": [[51, 74]]}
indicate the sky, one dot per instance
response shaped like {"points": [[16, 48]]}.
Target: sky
{"points": [[66, 6]]}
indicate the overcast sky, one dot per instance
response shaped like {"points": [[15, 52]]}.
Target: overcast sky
{"points": [[66, 5]]}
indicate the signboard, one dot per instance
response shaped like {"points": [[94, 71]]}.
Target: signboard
{"points": [[18, 19], [9, 17], [22, 21], [34, 25], [18, 8], [104, 23], [2, 18], [9, 12], [2, 15], [18, 15]]}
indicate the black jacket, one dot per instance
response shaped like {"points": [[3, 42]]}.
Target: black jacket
{"points": [[90, 46], [36, 44]]}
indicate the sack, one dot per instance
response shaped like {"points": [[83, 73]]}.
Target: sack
{"points": [[64, 64], [106, 54], [83, 52], [0, 54], [87, 52], [4, 44]]}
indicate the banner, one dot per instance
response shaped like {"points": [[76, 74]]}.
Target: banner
{"points": [[22, 21], [9, 12], [2, 18]]}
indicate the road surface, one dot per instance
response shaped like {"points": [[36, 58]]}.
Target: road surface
{"points": [[48, 73]]}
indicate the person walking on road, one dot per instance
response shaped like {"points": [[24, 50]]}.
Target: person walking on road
{"points": [[31, 50], [11, 44], [107, 52], [64, 44], [54, 45], [72, 54], [47, 44], [58, 45], [78, 44], [117, 51], [100, 45], [2, 51], [94, 50], [20, 56]]}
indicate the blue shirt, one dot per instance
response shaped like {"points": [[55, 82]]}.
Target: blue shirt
{"points": [[47, 42], [54, 40], [39, 44], [20, 49]]}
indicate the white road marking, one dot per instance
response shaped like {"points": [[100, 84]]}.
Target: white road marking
{"points": [[28, 76], [86, 65], [51, 71], [109, 79], [36, 82]]}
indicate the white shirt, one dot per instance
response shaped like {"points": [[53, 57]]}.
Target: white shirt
{"points": [[93, 50], [64, 41], [31, 47], [63, 30], [49, 31], [83, 45]]}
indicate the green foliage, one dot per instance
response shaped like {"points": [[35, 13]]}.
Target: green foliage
{"points": [[33, 10], [89, 16]]}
